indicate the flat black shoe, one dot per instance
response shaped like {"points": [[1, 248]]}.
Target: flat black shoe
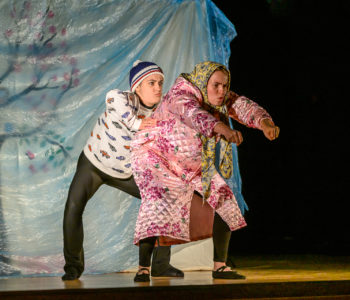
{"points": [[169, 272], [71, 274], [221, 274], [142, 277]]}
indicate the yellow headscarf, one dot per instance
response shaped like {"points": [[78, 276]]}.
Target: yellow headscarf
{"points": [[200, 77]]}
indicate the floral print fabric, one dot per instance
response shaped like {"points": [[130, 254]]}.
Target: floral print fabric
{"points": [[166, 162], [199, 77]]}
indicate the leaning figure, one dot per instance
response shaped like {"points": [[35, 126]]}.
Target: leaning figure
{"points": [[105, 159], [184, 195]]}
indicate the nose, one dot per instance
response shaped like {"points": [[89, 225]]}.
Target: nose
{"points": [[222, 90], [158, 87]]}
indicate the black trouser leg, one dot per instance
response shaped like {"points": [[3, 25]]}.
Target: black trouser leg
{"points": [[221, 239], [146, 247], [84, 184], [161, 258]]}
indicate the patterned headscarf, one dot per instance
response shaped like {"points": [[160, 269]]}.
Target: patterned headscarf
{"points": [[200, 77]]}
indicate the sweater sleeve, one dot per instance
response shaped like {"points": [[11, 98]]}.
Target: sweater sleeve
{"points": [[246, 111], [121, 108], [185, 106]]}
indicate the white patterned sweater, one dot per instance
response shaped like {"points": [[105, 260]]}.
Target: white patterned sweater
{"points": [[108, 147]]}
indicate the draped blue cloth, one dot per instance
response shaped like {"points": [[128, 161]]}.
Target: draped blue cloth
{"points": [[57, 61]]}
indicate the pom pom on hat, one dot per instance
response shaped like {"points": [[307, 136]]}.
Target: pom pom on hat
{"points": [[141, 70], [136, 62]]}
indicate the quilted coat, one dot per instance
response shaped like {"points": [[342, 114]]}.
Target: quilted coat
{"points": [[166, 163]]}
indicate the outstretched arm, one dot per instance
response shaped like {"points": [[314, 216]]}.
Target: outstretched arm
{"points": [[252, 115]]}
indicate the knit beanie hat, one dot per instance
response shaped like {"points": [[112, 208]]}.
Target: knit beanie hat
{"points": [[141, 70]]}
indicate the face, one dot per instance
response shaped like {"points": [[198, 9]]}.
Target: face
{"points": [[217, 87], [150, 89]]}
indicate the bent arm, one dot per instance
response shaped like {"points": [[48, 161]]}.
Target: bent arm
{"points": [[121, 108], [188, 110]]}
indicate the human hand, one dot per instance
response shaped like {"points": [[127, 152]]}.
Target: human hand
{"points": [[270, 130], [233, 136], [148, 123]]}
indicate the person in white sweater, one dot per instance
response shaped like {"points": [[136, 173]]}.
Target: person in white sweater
{"points": [[106, 160]]}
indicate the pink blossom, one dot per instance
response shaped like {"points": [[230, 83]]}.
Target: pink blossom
{"points": [[147, 178], [167, 125], [64, 86], [32, 169], [17, 68], [153, 157], [52, 29], [34, 80], [30, 155], [164, 145], [66, 76], [27, 5], [176, 228], [184, 211], [152, 229], [147, 175], [39, 35], [8, 32], [54, 77], [76, 82], [155, 192], [49, 45], [73, 61], [63, 31], [50, 14], [75, 71], [225, 192]]}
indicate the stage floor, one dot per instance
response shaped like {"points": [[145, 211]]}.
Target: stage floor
{"points": [[267, 276]]}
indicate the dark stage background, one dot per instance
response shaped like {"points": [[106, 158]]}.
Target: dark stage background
{"points": [[291, 57]]}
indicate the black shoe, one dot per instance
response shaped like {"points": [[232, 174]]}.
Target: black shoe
{"points": [[168, 272], [142, 277], [71, 274], [161, 266], [221, 274]]}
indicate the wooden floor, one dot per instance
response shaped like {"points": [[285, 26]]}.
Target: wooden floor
{"points": [[267, 277]]}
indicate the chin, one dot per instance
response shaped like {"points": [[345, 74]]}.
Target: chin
{"points": [[157, 100]]}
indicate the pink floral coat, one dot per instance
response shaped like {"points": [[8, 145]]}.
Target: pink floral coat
{"points": [[166, 162]]}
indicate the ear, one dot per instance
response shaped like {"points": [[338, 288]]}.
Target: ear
{"points": [[138, 88]]}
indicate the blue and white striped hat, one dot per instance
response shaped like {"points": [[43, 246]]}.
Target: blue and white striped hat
{"points": [[141, 70]]}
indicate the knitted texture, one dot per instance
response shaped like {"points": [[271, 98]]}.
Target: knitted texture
{"points": [[141, 70]]}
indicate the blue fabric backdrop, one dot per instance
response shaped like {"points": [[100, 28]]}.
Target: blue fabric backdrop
{"points": [[57, 61]]}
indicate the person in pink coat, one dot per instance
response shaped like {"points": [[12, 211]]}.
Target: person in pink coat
{"points": [[184, 197]]}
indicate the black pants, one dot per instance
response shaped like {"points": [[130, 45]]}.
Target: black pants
{"points": [[221, 240], [86, 181]]}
